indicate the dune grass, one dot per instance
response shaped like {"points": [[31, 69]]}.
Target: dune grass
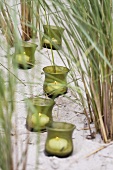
{"points": [[89, 41]]}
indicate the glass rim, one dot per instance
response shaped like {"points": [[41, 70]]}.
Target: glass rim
{"points": [[28, 44], [49, 126], [64, 70], [38, 100], [53, 27]]}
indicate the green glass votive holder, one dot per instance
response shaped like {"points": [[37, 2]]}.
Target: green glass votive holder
{"points": [[55, 82], [52, 38], [59, 139], [39, 113], [25, 58]]}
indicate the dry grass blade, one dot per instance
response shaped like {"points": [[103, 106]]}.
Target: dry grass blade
{"points": [[25, 20], [97, 101], [97, 150], [29, 19], [7, 24], [13, 74]]}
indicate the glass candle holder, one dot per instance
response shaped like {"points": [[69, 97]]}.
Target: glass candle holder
{"points": [[59, 139], [55, 82], [40, 114], [25, 58], [52, 37]]}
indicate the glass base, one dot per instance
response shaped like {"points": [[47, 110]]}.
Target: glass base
{"points": [[25, 67], [53, 96], [57, 47], [58, 155], [35, 130]]}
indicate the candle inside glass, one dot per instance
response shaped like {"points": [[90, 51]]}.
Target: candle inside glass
{"points": [[52, 37], [22, 58], [52, 41], [59, 139], [58, 144], [39, 120], [55, 82], [39, 114], [55, 86], [25, 58]]}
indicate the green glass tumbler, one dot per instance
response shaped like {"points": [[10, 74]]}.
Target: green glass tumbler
{"points": [[39, 113], [25, 58], [59, 139], [52, 38], [55, 82]]}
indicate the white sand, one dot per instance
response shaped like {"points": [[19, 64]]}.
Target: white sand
{"points": [[64, 110]]}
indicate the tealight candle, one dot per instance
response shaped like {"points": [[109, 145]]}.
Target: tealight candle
{"points": [[54, 86], [58, 144], [54, 40], [46, 41], [22, 58], [39, 119]]}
